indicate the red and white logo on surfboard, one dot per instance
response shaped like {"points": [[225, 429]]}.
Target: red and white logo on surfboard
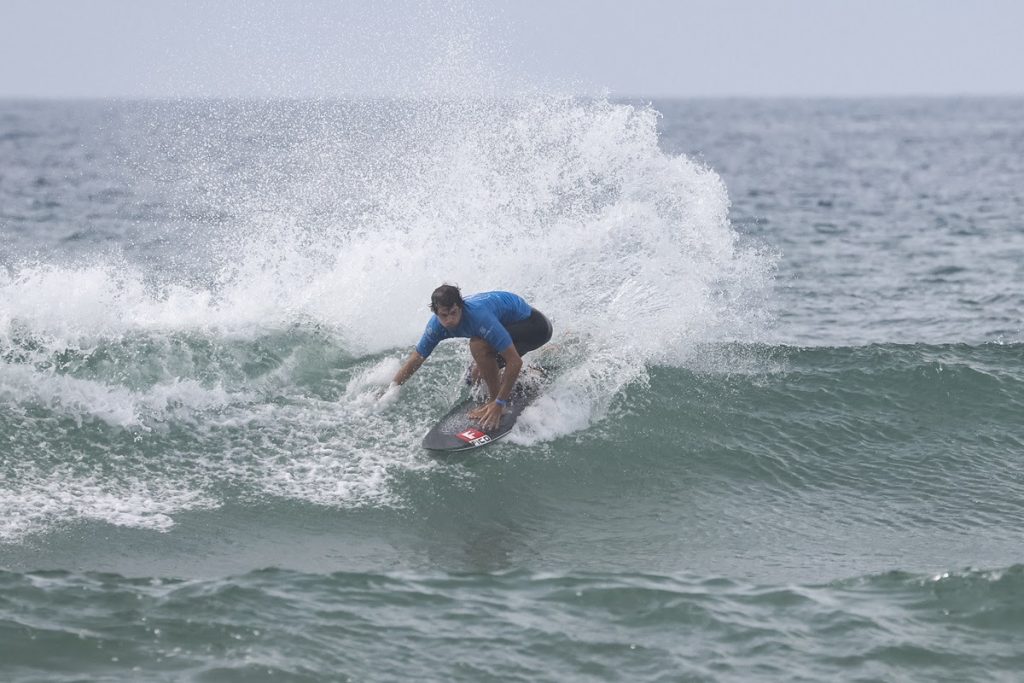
{"points": [[473, 436]]}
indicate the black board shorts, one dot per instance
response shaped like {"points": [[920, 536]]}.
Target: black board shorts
{"points": [[530, 333]]}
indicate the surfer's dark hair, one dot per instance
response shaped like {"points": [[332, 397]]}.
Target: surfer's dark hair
{"points": [[445, 296]]}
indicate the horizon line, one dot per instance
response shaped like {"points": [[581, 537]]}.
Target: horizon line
{"points": [[609, 95]]}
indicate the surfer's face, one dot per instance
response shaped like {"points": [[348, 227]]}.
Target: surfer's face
{"points": [[450, 316]]}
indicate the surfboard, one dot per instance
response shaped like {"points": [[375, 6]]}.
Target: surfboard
{"points": [[456, 431]]}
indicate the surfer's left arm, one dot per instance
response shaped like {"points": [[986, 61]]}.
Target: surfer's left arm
{"points": [[490, 413]]}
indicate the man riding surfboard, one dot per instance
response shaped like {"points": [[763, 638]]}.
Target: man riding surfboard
{"points": [[501, 327]]}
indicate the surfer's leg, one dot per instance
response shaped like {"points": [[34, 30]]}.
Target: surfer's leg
{"points": [[528, 335], [472, 374], [486, 363]]}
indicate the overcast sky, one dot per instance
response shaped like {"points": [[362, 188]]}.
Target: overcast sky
{"points": [[336, 48]]}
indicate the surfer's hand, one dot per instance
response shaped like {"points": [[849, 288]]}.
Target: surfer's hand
{"points": [[488, 415], [388, 396]]}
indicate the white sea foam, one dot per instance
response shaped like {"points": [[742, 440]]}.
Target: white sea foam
{"points": [[42, 499], [116, 406]]}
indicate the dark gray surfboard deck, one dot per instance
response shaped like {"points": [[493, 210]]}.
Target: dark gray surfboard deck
{"points": [[456, 431]]}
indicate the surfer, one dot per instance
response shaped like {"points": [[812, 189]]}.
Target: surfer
{"points": [[501, 328]]}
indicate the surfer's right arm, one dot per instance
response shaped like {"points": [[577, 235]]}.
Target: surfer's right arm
{"points": [[412, 364], [432, 335]]}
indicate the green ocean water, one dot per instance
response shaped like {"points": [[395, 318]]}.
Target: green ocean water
{"points": [[779, 436]]}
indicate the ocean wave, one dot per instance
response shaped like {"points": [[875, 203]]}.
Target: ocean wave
{"points": [[927, 433]]}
